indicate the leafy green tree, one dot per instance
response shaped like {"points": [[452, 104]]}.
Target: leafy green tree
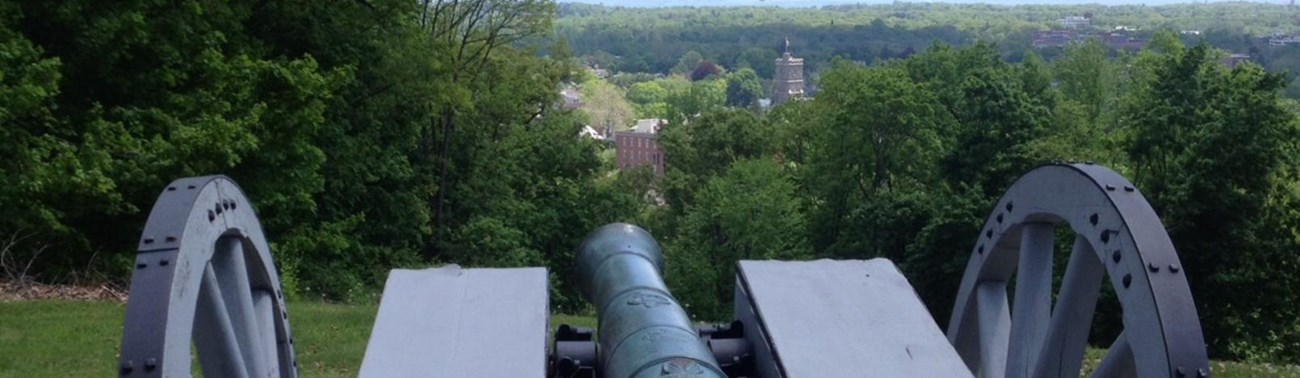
{"points": [[943, 69], [707, 146], [688, 100], [606, 105], [881, 133], [649, 99], [374, 201], [647, 93], [1215, 152], [750, 212], [997, 124], [762, 61], [41, 165], [796, 126], [146, 102], [1036, 79], [743, 88], [1087, 77]]}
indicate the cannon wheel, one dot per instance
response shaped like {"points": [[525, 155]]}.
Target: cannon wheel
{"points": [[1117, 234], [204, 275]]}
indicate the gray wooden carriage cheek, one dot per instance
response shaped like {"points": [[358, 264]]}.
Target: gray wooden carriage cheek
{"points": [[204, 277]]}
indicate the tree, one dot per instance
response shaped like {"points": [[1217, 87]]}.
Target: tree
{"points": [[743, 88], [997, 125], [688, 100], [147, 102], [648, 92], [649, 99], [606, 105], [688, 62], [881, 132], [1215, 152], [762, 61], [704, 148], [750, 212], [705, 70], [473, 38], [1086, 76]]}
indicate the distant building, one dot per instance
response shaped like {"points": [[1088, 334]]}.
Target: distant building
{"points": [[1075, 22], [640, 146], [1050, 38], [1121, 41], [1062, 37], [1279, 39], [1234, 60], [788, 83], [572, 98], [590, 133]]}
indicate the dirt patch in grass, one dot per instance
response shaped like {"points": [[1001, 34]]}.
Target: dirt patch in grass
{"points": [[11, 290]]}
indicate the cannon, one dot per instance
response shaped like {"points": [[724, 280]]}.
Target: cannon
{"points": [[644, 332], [205, 288]]}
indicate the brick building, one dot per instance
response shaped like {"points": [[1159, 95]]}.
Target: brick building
{"points": [[640, 146]]}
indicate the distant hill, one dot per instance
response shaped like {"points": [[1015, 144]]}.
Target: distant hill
{"points": [[818, 3]]}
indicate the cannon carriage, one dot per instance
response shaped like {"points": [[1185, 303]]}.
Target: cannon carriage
{"points": [[204, 278]]}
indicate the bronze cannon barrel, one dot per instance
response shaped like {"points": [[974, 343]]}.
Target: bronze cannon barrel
{"points": [[642, 330]]}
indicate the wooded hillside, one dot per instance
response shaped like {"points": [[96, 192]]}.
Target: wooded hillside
{"points": [[381, 134]]}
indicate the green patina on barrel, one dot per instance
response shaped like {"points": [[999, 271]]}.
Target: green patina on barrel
{"points": [[643, 331]]}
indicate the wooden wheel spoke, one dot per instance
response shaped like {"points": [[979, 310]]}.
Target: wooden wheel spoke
{"points": [[994, 327], [1032, 306], [1119, 361], [229, 263], [1067, 337], [264, 309], [214, 332]]}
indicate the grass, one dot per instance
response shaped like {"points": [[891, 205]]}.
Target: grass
{"points": [[1221, 369], [50, 338]]}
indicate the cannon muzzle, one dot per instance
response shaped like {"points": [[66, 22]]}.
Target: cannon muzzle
{"points": [[643, 331]]}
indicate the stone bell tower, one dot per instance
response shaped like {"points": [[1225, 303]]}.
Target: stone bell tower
{"points": [[788, 83]]}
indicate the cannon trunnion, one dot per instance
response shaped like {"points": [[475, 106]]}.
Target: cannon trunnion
{"points": [[205, 283]]}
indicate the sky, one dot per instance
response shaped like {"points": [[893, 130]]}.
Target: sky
{"points": [[815, 3]]}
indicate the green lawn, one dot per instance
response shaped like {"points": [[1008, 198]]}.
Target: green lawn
{"points": [[80, 339]]}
